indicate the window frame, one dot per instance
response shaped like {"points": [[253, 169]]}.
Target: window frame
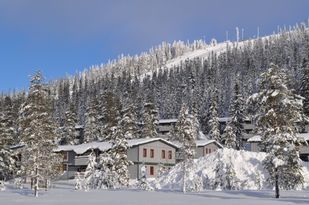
{"points": [[144, 152], [170, 154], [163, 154], [151, 153]]}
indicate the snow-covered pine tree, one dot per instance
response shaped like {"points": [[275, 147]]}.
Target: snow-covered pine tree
{"points": [[37, 130], [278, 109], [186, 132], [118, 153], [150, 116], [7, 136], [128, 122], [230, 136], [68, 131], [78, 181], [110, 107], [91, 130], [105, 165], [230, 177], [214, 132], [90, 180], [304, 92], [218, 182], [237, 116]]}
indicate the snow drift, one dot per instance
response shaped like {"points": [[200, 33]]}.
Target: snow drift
{"points": [[224, 169]]}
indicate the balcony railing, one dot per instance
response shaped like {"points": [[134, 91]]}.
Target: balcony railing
{"points": [[81, 160]]}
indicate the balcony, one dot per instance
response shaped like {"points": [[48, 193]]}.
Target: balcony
{"points": [[81, 160]]}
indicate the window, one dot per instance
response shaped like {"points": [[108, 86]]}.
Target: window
{"points": [[144, 152], [163, 154], [151, 170], [206, 150], [151, 153], [209, 151], [65, 155], [64, 167], [170, 155]]}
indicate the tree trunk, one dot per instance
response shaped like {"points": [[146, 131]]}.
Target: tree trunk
{"points": [[36, 185], [277, 185], [184, 177], [46, 184], [31, 182]]}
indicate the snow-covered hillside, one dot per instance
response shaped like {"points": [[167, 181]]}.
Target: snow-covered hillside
{"points": [[249, 173]]}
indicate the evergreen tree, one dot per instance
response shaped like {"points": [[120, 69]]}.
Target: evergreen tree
{"points": [[304, 92], [7, 138], [219, 173], [214, 132], [230, 137], [150, 121], [68, 131], [278, 109], [187, 134], [237, 116], [118, 153], [107, 174], [128, 122], [90, 181], [92, 130], [110, 107], [38, 133]]}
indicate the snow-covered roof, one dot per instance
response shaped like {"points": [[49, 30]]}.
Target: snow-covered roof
{"points": [[224, 119], [79, 127], [257, 138], [201, 143], [163, 121], [104, 146]]}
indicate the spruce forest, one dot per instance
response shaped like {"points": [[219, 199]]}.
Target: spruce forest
{"points": [[156, 83]]}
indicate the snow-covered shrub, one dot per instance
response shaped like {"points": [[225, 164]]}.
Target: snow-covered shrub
{"points": [[78, 181], [142, 182], [194, 182], [2, 187], [18, 182]]}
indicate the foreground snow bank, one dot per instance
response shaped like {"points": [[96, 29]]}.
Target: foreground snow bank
{"points": [[226, 168]]}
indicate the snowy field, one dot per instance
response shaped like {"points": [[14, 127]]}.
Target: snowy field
{"points": [[63, 194]]}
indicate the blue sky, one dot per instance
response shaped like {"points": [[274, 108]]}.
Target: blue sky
{"points": [[61, 37]]}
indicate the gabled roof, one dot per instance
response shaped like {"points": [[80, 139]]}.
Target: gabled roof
{"points": [[201, 143], [104, 146], [136, 142]]}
